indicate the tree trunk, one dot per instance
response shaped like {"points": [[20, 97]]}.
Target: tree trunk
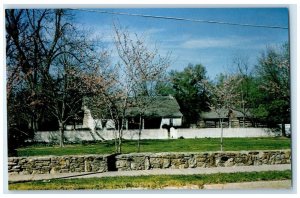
{"points": [[120, 128], [120, 141], [115, 132], [221, 142], [115, 138], [283, 129], [244, 111], [34, 124], [140, 132], [61, 134]]}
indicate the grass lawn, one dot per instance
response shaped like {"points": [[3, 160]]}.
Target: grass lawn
{"points": [[176, 145], [150, 182]]}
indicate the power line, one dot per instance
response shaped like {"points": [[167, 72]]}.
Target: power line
{"points": [[180, 19]]}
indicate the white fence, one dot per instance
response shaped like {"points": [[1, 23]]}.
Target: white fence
{"points": [[85, 135], [227, 132]]}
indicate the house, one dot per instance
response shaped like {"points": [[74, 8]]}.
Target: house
{"points": [[160, 112], [230, 118]]}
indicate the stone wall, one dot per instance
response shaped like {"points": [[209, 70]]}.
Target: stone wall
{"points": [[57, 164], [146, 161]]}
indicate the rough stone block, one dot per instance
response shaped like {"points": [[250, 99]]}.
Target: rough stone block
{"points": [[156, 162], [147, 163], [175, 163], [74, 165], [46, 169], [15, 160], [80, 159], [229, 162], [211, 161], [54, 171], [122, 164], [88, 167], [134, 166], [64, 171], [16, 167], [253, 153], [36, 172], [257, 163], [183, 166], [79, 170], [250, 162], [138, 163], [201, 159], [25, 172], [192, 162], [43, 159], [201, 164], [12, 164]]}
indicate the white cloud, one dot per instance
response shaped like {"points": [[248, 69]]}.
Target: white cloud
{"points": [[152, 31], [213, 42], [225, 42], [105, 33]]}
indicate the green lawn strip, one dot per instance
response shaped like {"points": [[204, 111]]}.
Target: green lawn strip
{"points": [[150, 182], [177, 145]]}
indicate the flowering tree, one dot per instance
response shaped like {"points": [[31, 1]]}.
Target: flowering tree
{"points": [[224, 96], [141, 68]]}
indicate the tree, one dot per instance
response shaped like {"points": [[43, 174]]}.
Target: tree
{"points": [[48, 58], [189, 89], [273, 73], [67, 87], [243, 72], [109, 100], [224, 96], [142, 69], [32, 38]]}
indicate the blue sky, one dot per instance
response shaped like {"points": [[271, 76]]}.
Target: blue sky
{"points": [[212, 45]]}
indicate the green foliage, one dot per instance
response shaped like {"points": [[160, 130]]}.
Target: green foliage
{"points": [[189, 89], [176, 145], [151, 182], [261, 112], [272, 96]]}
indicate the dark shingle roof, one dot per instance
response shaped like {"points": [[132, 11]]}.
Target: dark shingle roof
{"points": [[223, 114], [159, 106]]}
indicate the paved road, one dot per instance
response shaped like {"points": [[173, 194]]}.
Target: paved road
{"points": [[190, 171]]}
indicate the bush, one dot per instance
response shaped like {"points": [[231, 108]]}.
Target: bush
{"points": [[16, 137]]}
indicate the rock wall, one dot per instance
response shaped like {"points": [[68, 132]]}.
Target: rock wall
{"points": [[57, 164], [146, 161]]}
